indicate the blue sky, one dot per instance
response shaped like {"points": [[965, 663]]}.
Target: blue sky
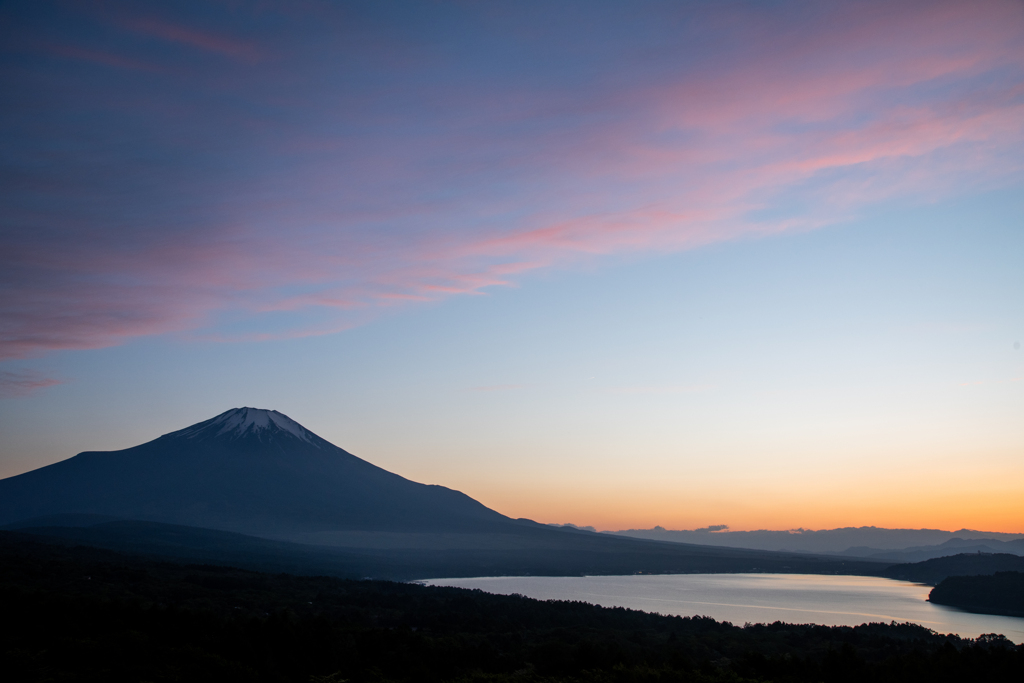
{"points": [[681, 265]]}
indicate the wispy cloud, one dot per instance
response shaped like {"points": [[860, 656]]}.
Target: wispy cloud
{"points": [[203, 40], [236, 199], [24, 382]]}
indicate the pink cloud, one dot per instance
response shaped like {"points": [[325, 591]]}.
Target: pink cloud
{"points": [[184, 35], [24, 382], [448, 189]]}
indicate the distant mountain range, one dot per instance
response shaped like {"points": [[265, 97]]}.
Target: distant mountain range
{"points": [[954, 546], [254, 488], [895, 545]]}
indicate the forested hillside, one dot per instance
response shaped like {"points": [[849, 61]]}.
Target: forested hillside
{"points": [[1001, 593], [82, 614]]}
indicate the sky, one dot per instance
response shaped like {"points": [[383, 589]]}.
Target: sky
{"points": [[616, 264]]}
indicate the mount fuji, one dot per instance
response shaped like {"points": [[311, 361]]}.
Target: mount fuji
{"points": [[247, 470], [253, 488]]}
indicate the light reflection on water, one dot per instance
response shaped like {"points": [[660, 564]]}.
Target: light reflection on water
{"points": [[758, 598]]}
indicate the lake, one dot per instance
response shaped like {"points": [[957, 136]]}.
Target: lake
{"points": [[757, 598]]}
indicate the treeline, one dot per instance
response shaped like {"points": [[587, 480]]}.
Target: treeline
{"points": [[1001, 593], [521, 550], [81, 614], [965, 564]]}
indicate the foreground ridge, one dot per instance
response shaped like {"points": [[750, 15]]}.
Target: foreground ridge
{"points": [[83, 614]]}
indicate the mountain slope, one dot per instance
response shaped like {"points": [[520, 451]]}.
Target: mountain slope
{"points": [[521, 551], [954, 546], [253, 488], [246, 470], [967, 564]]}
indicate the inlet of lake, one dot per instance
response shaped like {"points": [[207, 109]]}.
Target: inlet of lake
{"points": [[757, 598]]}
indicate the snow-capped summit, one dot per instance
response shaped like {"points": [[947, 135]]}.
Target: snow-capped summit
{"points": [[239, 422]]}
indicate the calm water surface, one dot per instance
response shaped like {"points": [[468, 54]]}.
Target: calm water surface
{"points": [[758, 598]]}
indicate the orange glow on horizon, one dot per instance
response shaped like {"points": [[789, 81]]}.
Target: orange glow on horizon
{"points": [[981, 510]]}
